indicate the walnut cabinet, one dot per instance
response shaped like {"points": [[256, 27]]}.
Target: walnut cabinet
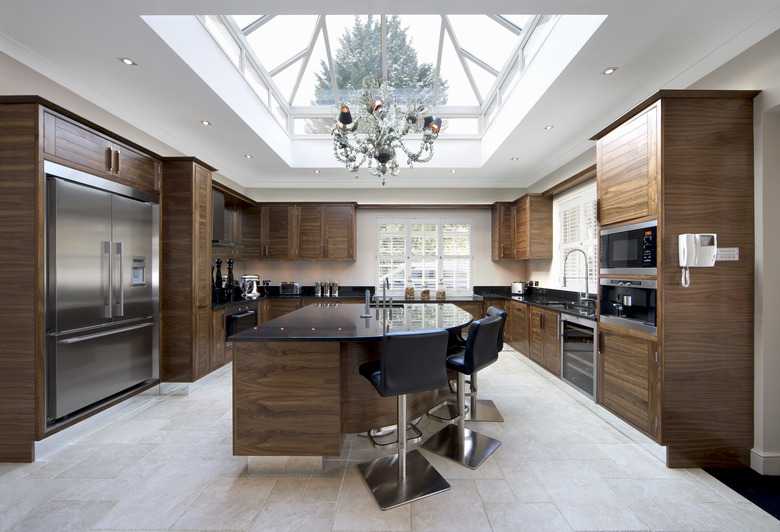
{"points": [[685, 159], [307, 231], [522, 229]]}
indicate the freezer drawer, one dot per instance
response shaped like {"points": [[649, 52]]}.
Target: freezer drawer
{"points": [[91, 366]]}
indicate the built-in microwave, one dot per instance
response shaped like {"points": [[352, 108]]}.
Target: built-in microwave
{"points": [[629, 250]]}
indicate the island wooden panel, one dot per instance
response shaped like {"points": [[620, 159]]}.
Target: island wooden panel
{"points": [[518, 324], [286, 399], [21, 319]]}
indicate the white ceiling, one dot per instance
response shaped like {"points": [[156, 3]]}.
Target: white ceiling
{"points": [[659, 44]]}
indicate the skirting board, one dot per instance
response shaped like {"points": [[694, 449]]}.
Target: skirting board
{"points": [[765, 463]]}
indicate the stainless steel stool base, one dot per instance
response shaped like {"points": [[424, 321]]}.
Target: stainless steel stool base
{"points": [[391, 490], [469, 448], [411, 428]]}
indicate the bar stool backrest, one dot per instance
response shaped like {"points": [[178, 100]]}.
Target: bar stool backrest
{"points": [[413, 362], [482, 344], [493, 311]]}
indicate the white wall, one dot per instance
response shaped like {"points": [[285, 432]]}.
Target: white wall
{"points": [[362, 270]]}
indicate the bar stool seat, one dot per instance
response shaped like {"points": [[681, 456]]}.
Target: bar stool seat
{"points": [[455, 441], [411, 362]]}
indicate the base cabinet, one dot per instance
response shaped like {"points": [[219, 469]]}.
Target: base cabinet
{"points": [[218, 352], [518, 327], [545, 347], [628, 371]]}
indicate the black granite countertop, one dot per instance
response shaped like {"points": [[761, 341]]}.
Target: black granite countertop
{"points": [[345, 322]]}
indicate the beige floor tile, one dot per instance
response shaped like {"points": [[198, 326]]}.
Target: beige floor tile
{"points": [[63, 516], [283, 516], [525, 517], [226, 504], [357, 509], [460, 508]]}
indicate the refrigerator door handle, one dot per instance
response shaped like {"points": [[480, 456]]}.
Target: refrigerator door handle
{"points": [[119, 308], [86, 337], [108, 299]]}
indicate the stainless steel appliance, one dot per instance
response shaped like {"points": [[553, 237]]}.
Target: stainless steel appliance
{"points": [[101, 308], [289, 288], [518, 288], [629, 249], [629, 303], [578, 353], [249, 286]]}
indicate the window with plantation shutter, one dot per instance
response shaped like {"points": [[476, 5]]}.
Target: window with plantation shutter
{"points": [[425, 252], [578, 229]]}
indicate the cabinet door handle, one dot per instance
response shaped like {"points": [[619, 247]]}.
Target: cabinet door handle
{"points": [[118, 162], [110, 157]]}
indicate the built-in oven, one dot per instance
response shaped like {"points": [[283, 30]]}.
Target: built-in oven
{"points": [[629, 303], [240, 318], [578, 353], [629, 249]]}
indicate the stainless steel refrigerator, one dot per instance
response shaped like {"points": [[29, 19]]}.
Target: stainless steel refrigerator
{"points": [[101, 308]]}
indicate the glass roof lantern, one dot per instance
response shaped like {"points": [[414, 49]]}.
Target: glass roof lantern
{"points": [[303, 66]]}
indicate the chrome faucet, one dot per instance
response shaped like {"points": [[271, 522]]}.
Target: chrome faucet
{"points": [[585, 277]]}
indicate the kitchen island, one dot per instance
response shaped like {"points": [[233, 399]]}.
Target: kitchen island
{"points": [[296, 386]]}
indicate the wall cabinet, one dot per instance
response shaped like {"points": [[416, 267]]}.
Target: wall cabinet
{"points": [[502, 221], [545, 347], [628, 375], [185, 267], [307, 231], [518, 327], [235, 226], [80, 146], [533, 227], [522, 229], [628, 169]]}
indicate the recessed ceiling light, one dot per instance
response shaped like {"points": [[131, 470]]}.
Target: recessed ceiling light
{"points": [[513, 159], [453, 171], [316, 171], [548, 127], [609, 71], [248, 156], [205, 122], [128, 61]]}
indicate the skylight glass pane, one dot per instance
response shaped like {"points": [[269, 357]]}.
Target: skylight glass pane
{"points": [[242, 21], [484, 38], [256, 82], [285, 80], [460, 126], [459, 91], [309, 93], [519, 20], [281, 38], [419, 69], [537, 38], [223, 38]]}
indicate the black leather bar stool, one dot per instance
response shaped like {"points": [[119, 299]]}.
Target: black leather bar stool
{"points": [[476, 409], [455, 441], [411, 362]]}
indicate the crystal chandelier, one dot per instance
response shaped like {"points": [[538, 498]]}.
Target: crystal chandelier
{"points": [[382, 125]]}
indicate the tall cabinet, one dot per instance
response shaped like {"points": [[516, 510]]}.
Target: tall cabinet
{"points": [[35, 130], [685, 159], [185, 296]]}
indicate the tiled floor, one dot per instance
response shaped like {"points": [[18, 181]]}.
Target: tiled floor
{"points": [[164, 462]]}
